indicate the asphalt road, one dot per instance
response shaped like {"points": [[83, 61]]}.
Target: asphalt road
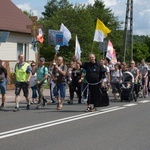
{"points": [[120, 126]]}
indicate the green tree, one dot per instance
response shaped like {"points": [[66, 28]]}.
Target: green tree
{"points": [[140, 51], [53, 6], [81, 21]]}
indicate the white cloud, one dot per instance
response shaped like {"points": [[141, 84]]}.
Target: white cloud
{"points": [[107, 2], [28, 8], [110, 4], [141, 13]]}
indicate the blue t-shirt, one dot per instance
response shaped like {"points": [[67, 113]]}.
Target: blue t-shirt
{"points": [[41, 72]]}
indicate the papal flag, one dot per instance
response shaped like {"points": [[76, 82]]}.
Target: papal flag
{"points": [[101, 31]]}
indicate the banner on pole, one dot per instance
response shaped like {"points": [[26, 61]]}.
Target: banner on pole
{"points": [[103, 46], [55, 37]]}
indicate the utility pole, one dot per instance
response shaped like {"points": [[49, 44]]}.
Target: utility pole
{"points": [[129, 16], [131, 29]]}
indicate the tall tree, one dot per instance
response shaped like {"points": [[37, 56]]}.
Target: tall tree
{"points": [[53, 6]]}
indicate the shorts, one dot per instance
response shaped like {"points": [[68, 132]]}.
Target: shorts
{"points": [[115, 87], [22, 85], [145, 81], [60, 87], [3, 87]]}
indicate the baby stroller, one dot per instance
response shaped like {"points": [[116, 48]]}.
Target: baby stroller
{"points": [[127, 87]]}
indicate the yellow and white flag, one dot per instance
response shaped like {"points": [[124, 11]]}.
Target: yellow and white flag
{"points": [[101, 31]]}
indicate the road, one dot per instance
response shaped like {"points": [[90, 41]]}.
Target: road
{"points": [[120, 126]]}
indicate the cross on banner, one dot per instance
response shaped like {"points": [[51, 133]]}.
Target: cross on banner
{"points": [[34, 32], [34, 27]]}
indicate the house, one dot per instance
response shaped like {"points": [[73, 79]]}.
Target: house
{"points": [[19, 41]]}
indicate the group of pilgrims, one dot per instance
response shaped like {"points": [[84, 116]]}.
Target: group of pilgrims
{"points": [[92, 82]]}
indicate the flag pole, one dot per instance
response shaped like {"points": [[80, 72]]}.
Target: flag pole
{"points": [[92, 47], [55, 57]]}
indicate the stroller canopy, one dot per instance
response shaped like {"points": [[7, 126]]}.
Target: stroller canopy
{"points": [[128, 76]]}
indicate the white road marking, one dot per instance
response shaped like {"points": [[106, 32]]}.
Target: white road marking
{"points": [[53, 123], [129, 105], [109, 108], [64, 120], [28, 127], [145, 101]]}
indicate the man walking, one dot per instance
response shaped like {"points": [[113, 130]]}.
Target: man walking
{"points": [[143, 69], [42, 74], [23, 75], [59, 77], [95, 74]]}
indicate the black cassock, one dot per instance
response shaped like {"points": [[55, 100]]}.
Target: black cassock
{"points": [[94, 73]]}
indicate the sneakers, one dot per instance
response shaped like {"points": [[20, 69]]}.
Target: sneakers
{"points": [[53, 101], [32, 102], [70, 102], [146, 96], [79, 102], [84, 101], [2, 107], [38, 106], [16, 109], [28, 107], [44, 102]]}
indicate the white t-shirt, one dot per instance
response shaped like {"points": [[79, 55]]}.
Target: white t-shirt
{"points": [[116, 76], [33, 80], [107, 71], [143, 69]]}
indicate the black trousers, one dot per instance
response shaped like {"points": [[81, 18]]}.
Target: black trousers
{"points": [[75, 87], [136, 88]]}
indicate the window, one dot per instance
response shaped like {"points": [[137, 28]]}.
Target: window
{"points": [[19, 48], [23, 48]]}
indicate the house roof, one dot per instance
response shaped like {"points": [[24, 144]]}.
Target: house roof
{"points": [[12, 18]]}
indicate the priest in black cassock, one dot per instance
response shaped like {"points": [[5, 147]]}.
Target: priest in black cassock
{"points": [[95, 73]]}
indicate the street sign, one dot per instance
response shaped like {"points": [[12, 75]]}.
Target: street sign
{"points": [[3, 36], [55, 37]]}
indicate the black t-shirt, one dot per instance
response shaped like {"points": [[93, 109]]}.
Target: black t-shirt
{"points": [[94, 71], [76, 75], [3, 70]]}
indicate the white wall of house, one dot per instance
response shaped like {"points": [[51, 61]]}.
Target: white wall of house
{"points": [[17, 43]]}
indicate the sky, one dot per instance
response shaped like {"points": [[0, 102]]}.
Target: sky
{"points": [[141, 11]]}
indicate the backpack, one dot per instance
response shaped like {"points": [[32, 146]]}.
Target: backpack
{"points": [[3, 74], [44, 73]]}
